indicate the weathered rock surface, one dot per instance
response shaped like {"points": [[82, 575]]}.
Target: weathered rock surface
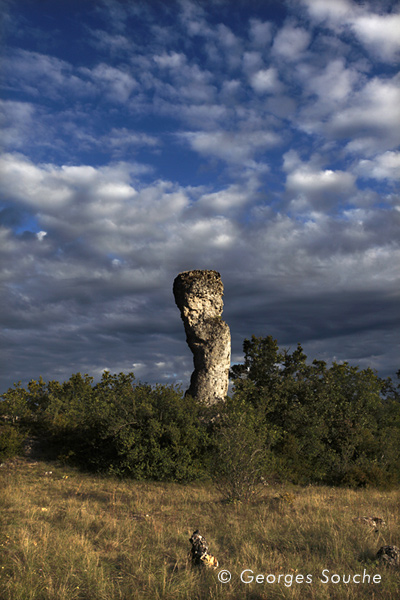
{"points": [[389, 555], [199, 551], [375, 522], [198, 295]]}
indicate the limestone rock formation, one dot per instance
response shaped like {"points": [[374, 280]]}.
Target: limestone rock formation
{"points": [[198, 295]]}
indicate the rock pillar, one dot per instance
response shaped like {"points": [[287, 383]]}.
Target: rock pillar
{"points": [[198, 295]]}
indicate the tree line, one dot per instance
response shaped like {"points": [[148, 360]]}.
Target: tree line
{"points": [[286, 420]]}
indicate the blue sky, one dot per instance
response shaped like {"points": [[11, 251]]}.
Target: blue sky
{"points": [[142, 139]]}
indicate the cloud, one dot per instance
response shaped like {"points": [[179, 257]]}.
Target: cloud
{"points": [[266, 81], [116, 13], [97, 286], [227, 200], [18, 119], [173, 60], [114, 43], [179, 83], [231, 147], [321, 189], [379, 33], [334, 84], [385, 166], [38, 75], [331, 12], [116, 84], [45, 76], [291, 42], [372, 117], [123, 138], [260, 32], [265, 147], [366, 114], [194, 19]]}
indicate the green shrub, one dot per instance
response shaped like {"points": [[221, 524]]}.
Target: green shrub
{"points": [[241, 461], [336, 425], [124, 428], [11, 441], [287, 420]]}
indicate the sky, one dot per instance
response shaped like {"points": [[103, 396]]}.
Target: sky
{"points": [[145, 138]]}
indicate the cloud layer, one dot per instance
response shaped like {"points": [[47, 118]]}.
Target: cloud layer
{"points": [[152, 139]]}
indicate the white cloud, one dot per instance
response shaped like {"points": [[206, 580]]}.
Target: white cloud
{"points": [[173, 60], [230, 198], [308, 181], [309, 185], [208, 235], [334, 83], [232, 147], [203, 116], [18, 120], [380, 33], [367, 113], [41, 75], [115, 83], [34, 72], [123, 137], [384, 166], [180, 84], [48, 188], [45, 76], [373, 111], [291, 42], [28, 184], [291, 161], [266, 81], [328, 10]]}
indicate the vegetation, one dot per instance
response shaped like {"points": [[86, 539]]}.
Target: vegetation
{"points": [[114, 426], [125, 472], [337, 425], [69, 535], [287, 420]]}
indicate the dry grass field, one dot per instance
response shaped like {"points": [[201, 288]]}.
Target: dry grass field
{"points": [[66, 535]]}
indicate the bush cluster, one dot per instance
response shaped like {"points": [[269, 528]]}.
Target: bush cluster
{"points": [[336, 425], [286, 420], [116, 426]]}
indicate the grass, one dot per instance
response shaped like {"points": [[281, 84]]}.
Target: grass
{"points": [[66, 535]]}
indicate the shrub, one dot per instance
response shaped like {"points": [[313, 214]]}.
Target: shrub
{"points": [[11, 441], [241, 460], [336, 425], [124, 428]]}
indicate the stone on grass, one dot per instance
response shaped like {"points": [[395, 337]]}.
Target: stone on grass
{"points": [[389, 555], [375, 522], [199, 551]]}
